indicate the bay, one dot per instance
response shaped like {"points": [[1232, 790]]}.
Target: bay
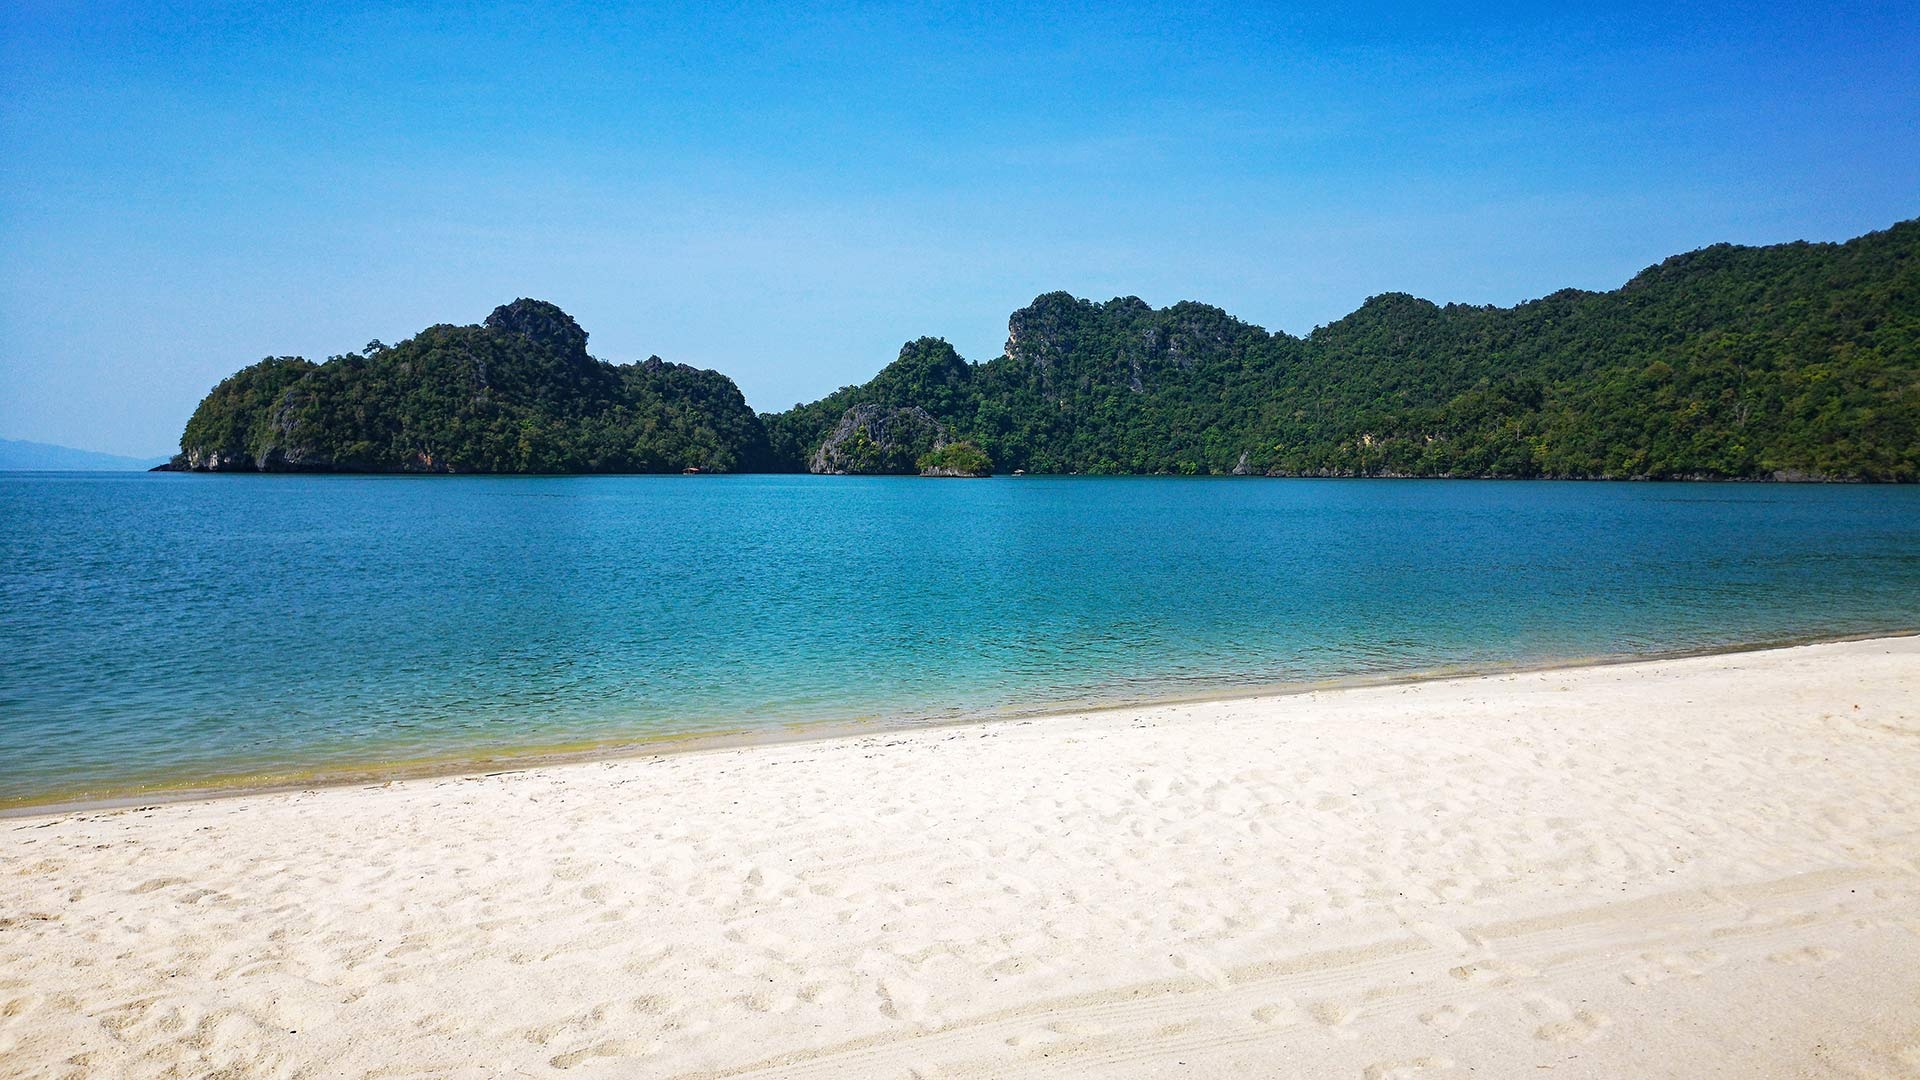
{"points": [[167, 631]]}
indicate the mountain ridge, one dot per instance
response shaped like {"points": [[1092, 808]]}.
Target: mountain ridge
{"points": [[1793, 361], [25, 455], [1796, 361], [516, 394]]}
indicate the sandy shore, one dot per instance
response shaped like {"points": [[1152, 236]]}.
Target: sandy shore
{"points": [[1706, 867]]}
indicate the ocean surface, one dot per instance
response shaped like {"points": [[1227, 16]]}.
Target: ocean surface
{"points": [[166, 631]]}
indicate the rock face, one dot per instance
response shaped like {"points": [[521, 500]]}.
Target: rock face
{"points": [[542, 323], [1069, 346], [874, 439]]}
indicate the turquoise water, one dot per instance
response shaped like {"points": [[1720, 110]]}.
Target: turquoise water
{"points": [[166, 629]]}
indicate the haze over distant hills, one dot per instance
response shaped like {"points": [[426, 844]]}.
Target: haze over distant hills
{"points": [[18, 455], [1793, 361]]}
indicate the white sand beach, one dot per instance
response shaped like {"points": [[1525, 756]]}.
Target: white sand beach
{"points": [[1706, 867]]}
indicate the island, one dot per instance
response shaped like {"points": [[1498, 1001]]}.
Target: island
{"points": [[1795, 361]]}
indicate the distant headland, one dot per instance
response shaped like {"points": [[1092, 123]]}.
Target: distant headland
{"points": [[1795, 361]]}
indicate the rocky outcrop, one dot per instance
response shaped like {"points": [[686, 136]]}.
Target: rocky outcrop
{"points": [[542, 323], [873, 439]]}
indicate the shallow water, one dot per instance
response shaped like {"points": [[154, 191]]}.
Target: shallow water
{"points": [[176, 630]]}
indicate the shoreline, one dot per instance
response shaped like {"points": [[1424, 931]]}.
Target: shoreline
{"points": [[1776, 476], [1779, 476], [1605, 870], [782, 733]]}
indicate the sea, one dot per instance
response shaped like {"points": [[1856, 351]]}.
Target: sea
{"points": [[164, 633]]}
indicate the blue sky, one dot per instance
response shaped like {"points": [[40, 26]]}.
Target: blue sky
{"points": [[787, 195]]}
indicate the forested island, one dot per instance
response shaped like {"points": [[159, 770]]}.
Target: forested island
{"points": [[1794, 361]]}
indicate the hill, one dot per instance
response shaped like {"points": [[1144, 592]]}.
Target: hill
{"points": [[518, 394], [18, 455], [1795, 361]]}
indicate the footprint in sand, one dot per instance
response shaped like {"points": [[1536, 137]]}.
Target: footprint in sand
{"points": [[761, 1001], [1335, 1017], [1405, 1070], [1201, 969], [651, 1005], [1812, 954], [1564, 1022], [763, 941], [610, 1048], [903, 1000], [641, 965], [1582, 1026], [1447, 1018], [1441, 936], [821, 993], [1054, 1032], [1663, 966], [1077, 1029], [1282, 1013], [1490, 972]]}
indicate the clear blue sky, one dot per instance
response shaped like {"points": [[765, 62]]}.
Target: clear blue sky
{"points": [[787, 196]]}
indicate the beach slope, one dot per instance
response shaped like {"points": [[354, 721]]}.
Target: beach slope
{"points": [[1704, 867]]}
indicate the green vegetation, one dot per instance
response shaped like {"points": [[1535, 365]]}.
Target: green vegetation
{"points": [[519, 394], [233, 420], [1794, 361], [928, 374], [963, 458], [872, 439]]}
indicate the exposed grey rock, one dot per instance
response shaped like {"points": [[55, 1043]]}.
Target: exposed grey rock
{"points": [[542, 322], [875, 439]]}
